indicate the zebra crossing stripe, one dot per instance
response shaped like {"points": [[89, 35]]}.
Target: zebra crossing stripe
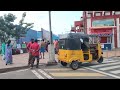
{"points": [[109, 61], [45, 74], [101, 65], [108, 74], [115, 72], [111, 67], [37, 74]]}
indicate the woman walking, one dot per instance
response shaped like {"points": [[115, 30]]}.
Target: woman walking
{"points": [[8, 53], [3, 49]]}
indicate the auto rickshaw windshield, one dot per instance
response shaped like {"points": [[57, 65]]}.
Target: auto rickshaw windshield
{"points": [[70, 44]]}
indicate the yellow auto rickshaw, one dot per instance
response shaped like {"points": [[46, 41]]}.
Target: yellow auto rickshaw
{"points": [[76, 48]]}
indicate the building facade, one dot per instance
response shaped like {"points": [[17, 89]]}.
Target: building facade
{"points": [[39, 35], [46, 35], [30, 34], [105, 24]]}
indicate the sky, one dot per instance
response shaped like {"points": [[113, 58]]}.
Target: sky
{"points": [[61, 20]]}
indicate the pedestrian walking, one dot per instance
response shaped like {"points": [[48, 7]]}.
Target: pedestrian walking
{"points": [[47, 45], [28, 48], [42, 48], [3, 49], [56, 46], [8, 53], [35, 53]]}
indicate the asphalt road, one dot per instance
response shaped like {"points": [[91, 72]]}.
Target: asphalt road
{"points": [[110, 69]]}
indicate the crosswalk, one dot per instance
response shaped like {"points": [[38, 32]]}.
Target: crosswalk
{"points": [[41, 74], [68, 73], [110, 66]]}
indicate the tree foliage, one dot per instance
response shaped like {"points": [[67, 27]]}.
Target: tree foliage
{"points": [[6, 25], [22, 28], [9, 29]]}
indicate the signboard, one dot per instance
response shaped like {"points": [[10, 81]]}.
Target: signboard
{"points": [[23, 45], [102, 46], [101, 31], [105, 22], [46, 34]]}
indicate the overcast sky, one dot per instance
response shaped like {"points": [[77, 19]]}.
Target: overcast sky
{"points": [[61, 20]]}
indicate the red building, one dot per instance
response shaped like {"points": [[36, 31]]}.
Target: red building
{"points": [[104, 24], [78, 27]]}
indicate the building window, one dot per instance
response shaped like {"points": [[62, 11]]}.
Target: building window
{"points": [[107, 13], [103, 40], [97, 14], [77, 28], [108, 39], [89, 15], [117, 13]]}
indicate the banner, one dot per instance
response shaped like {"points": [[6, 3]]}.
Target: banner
{"points": [[23, 45], [104, 22]]}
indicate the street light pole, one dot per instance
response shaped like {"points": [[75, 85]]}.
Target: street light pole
{"points": [[51, 41], [52, 60]]}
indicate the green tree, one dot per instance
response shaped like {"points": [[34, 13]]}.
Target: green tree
{"points": [[6, 26], [9, 29], [22, 28]]}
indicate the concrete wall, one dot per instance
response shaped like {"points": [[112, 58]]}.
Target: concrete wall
{"points": [[118, 30], [30, 34], [88, 25]]}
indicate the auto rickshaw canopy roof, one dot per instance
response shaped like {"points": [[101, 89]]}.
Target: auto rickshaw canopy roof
{"points": [[74, 35]]}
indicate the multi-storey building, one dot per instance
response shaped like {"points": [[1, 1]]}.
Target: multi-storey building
{"points": [[105, 24]]}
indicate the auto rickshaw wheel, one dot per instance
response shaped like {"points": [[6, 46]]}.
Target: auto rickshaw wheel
{"points": [[75, 65], [100, 60], [63, 63]]}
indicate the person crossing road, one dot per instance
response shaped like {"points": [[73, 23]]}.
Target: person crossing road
{"points": [[28, 48], [35, 53]]}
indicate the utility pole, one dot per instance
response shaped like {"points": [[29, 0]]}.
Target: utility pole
{"points": [[52, 60]]}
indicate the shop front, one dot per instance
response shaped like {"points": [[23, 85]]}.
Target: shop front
{"points": [[105, 35]]}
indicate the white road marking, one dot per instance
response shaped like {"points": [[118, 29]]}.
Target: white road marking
{"points": [[14, 71], [101, 65], [37, 74], [111, 67], [115, 72], [48, 76], [103, 72], [110, 61], [107, 59], [22, 70]]}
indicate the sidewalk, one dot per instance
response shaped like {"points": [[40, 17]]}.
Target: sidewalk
{"points": [[20, 61], [115, 53]]}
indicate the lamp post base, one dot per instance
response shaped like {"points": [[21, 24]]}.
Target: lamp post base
{"points": [[52, 60], [50, 63]]}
